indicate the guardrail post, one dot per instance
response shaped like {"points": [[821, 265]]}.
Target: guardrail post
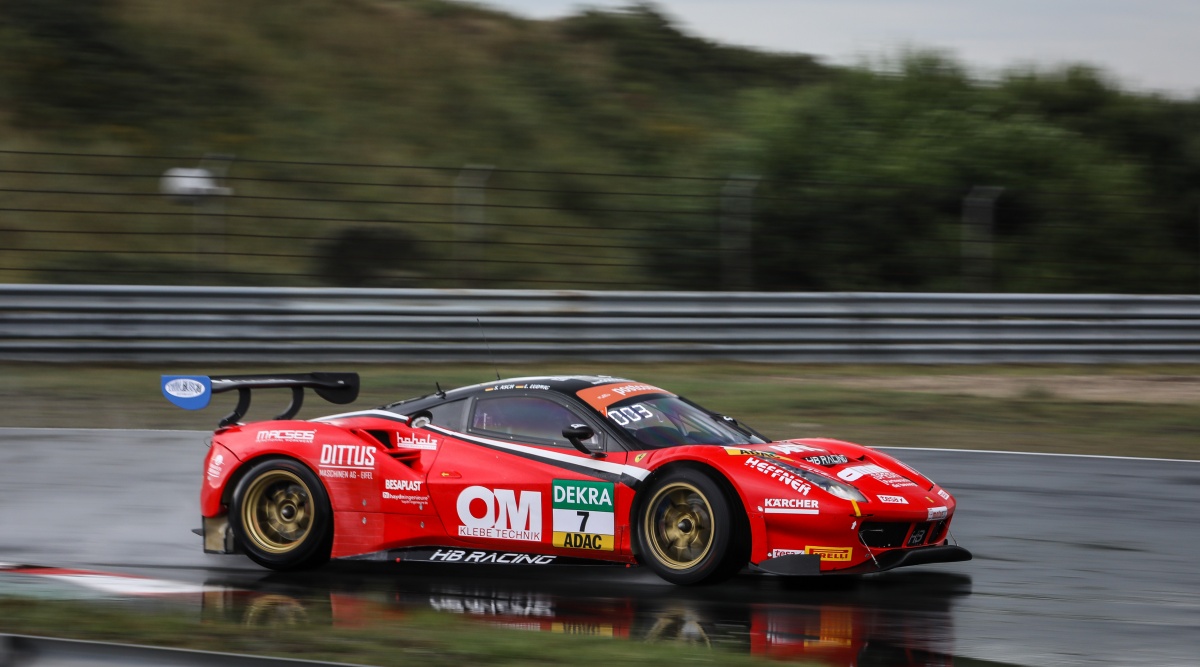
{"points": [[737, 212], [978, 215], [470, 195]]}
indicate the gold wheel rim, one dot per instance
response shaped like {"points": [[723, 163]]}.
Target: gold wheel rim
{"points": [[277, 512], [679, 526]]}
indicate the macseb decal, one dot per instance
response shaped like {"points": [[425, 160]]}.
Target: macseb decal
{"points": [[583, 514]]}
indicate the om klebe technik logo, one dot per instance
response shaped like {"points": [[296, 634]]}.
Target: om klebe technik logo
{"points": [[583, 515]]}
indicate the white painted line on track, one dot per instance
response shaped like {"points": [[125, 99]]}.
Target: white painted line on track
{"points": [[1000, 451]]}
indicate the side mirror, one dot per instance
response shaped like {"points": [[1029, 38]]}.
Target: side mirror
{"points": [[576, 434]]}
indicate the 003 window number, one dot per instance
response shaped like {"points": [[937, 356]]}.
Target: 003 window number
{"points": [[632, 413]]}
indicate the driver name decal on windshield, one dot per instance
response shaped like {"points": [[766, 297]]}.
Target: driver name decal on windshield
{"points": [[604, 396]]}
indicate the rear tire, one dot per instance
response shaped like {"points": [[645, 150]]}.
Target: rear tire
{"points": [[280, 516], [687, 531]]}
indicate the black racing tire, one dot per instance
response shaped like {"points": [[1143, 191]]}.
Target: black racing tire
{"points": [[687, 530], [280, 515]]}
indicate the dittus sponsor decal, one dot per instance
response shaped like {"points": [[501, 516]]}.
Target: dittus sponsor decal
{"points": [[775, 472], [286, 436], [347, 461], [790, 506], [500, 514], [836, 554], [416, 442], [584, 515]]}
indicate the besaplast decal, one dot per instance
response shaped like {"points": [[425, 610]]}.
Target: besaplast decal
{"points": [[583, 515], [894, 500]]}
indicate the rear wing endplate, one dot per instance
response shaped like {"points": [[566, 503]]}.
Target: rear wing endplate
{"points": [[193, 392]]}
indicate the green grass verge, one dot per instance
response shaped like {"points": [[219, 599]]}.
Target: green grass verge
{"points": [[858, 403]]}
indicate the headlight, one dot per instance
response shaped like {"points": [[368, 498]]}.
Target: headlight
{"points": [[827, 484]]}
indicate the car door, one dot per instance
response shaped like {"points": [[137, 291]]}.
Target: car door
{"points": [[510, 481]]}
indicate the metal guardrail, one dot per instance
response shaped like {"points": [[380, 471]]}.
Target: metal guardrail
{"points": [[213, 324]]}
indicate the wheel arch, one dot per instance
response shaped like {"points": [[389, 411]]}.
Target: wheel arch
{"points": [[744, 534]]}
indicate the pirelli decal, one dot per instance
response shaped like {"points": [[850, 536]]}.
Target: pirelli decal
{"points": [[834, 554]]}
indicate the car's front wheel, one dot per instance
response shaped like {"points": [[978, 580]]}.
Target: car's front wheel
{"points": [[686, 529], [280, 515]]}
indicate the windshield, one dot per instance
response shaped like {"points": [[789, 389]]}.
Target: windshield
{"points": [[669, 421]]}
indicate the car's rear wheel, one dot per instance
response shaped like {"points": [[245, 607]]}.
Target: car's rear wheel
{"points": [[686, 529], [281, 517]]}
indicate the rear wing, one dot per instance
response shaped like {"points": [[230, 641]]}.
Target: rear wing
{"points": [[193, 392]]}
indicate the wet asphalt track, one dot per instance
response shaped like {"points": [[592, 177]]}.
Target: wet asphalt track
{"points": [[1078, 561]]}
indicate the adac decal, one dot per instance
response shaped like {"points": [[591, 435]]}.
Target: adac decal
{"points": [[604, 396], [836, 554], [500, 514], [738, 451], [190, 392], [584, 515]]}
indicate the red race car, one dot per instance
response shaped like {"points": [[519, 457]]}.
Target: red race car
{"points": [[552, 470]]}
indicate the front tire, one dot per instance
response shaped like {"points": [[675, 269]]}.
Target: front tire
{"points": [[280, 515], [686, 529]]}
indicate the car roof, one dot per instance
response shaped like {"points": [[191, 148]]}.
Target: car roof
{"points": [[568, 385]]}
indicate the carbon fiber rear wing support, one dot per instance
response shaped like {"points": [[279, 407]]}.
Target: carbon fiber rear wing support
{"points": [[194, 391]]}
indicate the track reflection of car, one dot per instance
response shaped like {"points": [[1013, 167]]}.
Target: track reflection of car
{"points": [[553, 470]]}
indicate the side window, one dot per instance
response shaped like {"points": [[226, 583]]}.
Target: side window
{"points": [[525, 418], [452, 415]]}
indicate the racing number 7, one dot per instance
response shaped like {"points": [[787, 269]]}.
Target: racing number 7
{"points": [[583, 523]]}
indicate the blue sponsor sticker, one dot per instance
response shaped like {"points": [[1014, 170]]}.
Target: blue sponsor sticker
{"points": [[190, 392]]}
